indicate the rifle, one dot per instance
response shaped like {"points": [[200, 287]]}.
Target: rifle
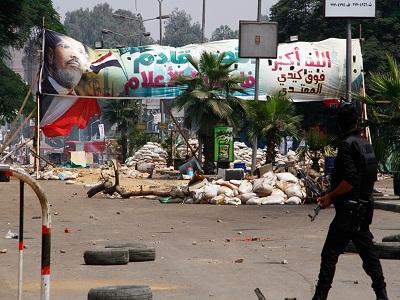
{"points": [[314, 188], [316, 211]]}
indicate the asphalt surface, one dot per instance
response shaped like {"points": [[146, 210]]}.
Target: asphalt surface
{"points": [[202, 251]]}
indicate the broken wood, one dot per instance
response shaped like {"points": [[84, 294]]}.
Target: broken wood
{"points": [[107, 187]]}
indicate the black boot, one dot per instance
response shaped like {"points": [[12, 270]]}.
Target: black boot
{"points": [[381, 294], [321, 293]]}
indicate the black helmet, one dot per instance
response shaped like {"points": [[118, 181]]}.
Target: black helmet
{"points": [[347, 115]]}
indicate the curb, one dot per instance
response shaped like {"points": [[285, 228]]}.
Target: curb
{"points": [[394, 207]]}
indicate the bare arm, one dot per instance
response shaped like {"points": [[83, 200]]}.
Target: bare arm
{"points": [[343, 188]]}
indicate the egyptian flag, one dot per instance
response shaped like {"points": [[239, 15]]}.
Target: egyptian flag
{"points": [[66, 112], [108, 60]]}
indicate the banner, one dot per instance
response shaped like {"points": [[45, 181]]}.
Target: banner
{"points": [[74, 75], [223, 144]]}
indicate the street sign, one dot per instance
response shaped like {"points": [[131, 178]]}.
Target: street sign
{"points": [[163, 125], [223, 144], [101, 131], [349, 8], [258, 39]]}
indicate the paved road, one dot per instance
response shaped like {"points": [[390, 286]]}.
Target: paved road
{"points": [[194, 260]]}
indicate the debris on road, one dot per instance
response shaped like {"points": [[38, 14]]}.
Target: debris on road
{"points": [[11, 235]]}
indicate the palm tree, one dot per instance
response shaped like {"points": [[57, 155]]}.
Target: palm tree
{"points": [[272, 120], [124, 113], [208, 100], [385, 103]]}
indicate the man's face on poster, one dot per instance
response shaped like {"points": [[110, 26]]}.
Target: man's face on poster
{"points": [[67, 61]]}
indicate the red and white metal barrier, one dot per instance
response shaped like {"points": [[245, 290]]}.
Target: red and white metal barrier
{"points": [[8, 171]]}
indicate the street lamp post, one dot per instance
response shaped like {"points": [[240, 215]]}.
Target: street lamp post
{"points": [[203, 21], [159, 16]]}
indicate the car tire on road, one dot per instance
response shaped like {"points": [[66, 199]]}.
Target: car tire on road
{"points": [[106, 256], [385, 250], [137, 251], [122, 292]]}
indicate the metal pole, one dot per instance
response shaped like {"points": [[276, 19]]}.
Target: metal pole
{"points": [[203, 21], [257, 72], [160, 14], [37, 135], [348, 61], [21, 238], [161, 102], [46, 245]]}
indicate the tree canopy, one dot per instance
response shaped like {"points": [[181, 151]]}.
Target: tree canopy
{"points": [[208, 99], [224, 32], [180, 31], [19, 21], [86, 25]]}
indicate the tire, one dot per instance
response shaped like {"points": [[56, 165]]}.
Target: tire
{"points": [[106, 257], [122, 292], [137, 251], [391, 238], [385, 250], [126, 245]]}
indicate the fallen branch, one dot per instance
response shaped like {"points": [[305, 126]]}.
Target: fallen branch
{"points": [[107, 187]]}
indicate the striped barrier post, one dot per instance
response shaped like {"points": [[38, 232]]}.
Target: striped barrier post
{"points": [[8, 171], [21, 238]]}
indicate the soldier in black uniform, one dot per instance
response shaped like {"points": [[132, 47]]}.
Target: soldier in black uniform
{"points": [[352, 183]]}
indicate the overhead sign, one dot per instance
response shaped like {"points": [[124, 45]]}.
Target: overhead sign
{"points": [[349, 8], [258, 39]]}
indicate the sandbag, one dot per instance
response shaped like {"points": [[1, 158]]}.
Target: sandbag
{"points": [[278, 192], [293, 200], [245, 187], [254, 201], [288, 177], [225, 191], [218, 200], [246, 197], [233, 201], [210, 191], [198, 195], [236, 182], [270, 177], [275, 199], [261, 187], [293, 190]]}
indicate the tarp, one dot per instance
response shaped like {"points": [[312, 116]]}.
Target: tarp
{"points": [[75, 75]]}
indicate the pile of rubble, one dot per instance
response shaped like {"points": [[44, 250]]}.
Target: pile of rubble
{"points": [[151, 153], [243, 154], [271, 188], [58, 174], [183, 150]]}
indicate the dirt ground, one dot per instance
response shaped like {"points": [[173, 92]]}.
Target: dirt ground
{"points": [[199, 248]]}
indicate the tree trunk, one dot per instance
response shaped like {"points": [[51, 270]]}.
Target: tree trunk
{"points": [[124, 146], [209, 166], [270, 157]]}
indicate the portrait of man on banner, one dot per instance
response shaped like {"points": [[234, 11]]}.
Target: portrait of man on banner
{"points": [[65, 62]]}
